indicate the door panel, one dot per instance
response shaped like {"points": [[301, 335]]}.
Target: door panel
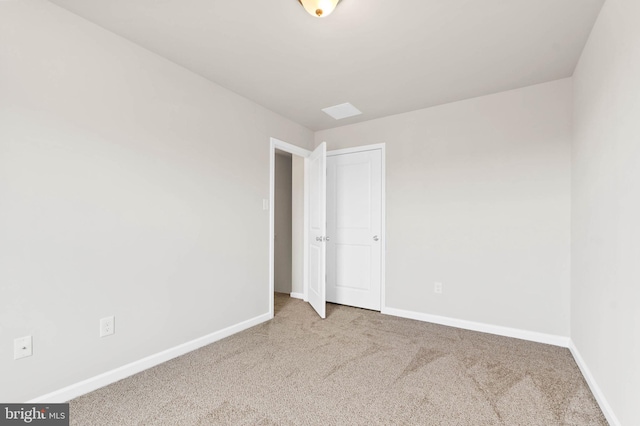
{"points": [[354, 221], [353, 194], [317, 230], [353, 266]]}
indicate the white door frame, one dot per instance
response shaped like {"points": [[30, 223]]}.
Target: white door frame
{"points": [[301, 152], [383, 199]]}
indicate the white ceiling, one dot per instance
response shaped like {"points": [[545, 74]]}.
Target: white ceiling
{"points": [[383, 56]]}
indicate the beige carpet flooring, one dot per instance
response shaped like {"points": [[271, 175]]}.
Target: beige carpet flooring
{"points": [[357, 367]]}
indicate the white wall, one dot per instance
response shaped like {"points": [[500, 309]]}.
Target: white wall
{"points": [[282, 224], [478, 198], [605, 291], [129, 187]]}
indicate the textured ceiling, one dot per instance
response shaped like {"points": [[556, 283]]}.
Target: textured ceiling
{"points": [[385, 57]]}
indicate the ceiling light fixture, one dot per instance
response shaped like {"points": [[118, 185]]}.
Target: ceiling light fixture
{"points": [[319, 8]]}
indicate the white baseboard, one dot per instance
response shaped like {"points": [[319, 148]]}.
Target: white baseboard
{"points": [[549, 339], [595, 389], [104, 379], [297, 295]]}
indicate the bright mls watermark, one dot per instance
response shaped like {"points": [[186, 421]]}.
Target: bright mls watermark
{"points": [[34, 414]]}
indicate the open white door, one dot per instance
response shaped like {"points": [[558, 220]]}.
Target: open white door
{"points": [[317, 227]]}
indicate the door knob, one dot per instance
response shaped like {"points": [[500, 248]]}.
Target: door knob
{"points": [[375, 238], [326, 238]]}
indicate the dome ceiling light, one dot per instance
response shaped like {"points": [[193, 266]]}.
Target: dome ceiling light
{"points": [[319, 8]]}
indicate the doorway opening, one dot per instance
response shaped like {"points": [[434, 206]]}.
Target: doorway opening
{"points": [[287, 264], [288, 242]]}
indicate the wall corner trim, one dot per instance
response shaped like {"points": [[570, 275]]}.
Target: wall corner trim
{"points": [[533, 336], [593, 385], [297, 295], [93, 383]]}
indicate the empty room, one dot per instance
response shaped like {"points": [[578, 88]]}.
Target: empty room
{"points": [[460, 232]]}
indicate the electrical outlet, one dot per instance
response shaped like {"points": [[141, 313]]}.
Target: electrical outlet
{"points": [[22, 347], [107, 326], [437, 288]]}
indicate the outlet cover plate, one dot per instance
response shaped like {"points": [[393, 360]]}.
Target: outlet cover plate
{"points": [[22, 347], [107, 326]]}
